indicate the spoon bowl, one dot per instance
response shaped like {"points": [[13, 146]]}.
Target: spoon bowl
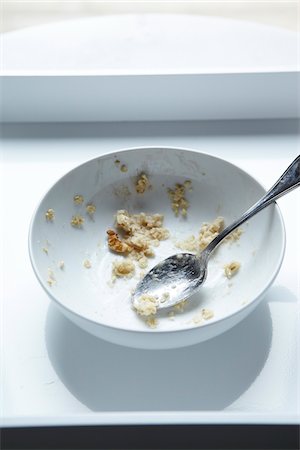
{"points": [[173, 280]]}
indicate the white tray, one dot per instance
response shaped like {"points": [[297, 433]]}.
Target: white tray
{"points": [[149, 67], [56, 374]]}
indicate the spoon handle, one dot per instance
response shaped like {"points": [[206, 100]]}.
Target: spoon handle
{"points": [[289, 180]]}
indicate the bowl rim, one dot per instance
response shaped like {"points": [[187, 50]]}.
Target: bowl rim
{"points": [[248, 305]]}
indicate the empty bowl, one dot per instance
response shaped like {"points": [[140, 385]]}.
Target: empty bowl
{"points": [[68, 244]]}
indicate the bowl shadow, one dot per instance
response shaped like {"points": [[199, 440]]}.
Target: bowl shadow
{"points": [[206, 376]]}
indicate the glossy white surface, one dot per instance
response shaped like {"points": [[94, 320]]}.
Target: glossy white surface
{"points": [[56, 373]]}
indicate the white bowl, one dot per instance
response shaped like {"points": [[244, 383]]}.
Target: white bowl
{"points": [[87, 297]]}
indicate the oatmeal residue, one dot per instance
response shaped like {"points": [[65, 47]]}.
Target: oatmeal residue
{"points": [[77, 221], [234, 235], [123, 268], [142, 184], [207, 233], [146, 305], [165, 297], [51, 278], [140, 232], [152, 322], [204, 314], [177, 196], [231, 269], [50, 215], [78, 199], [90, 209], [207, 314], [87, 264]]}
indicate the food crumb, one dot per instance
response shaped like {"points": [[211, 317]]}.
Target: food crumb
{"points": [[61, 265], [117, 162], [209, 231], [142, 184], [146, 305], [207, 314], [188, 185], [179, 203], [198, 318], [152, 322], [231, 269], [234, 235], [90, 209], [180, 306], [50, 215], [51, 278], [123, 268], [78, 199], [143, 262], [190, 244], [140, 232], [45, 250], [77, 221], [87, 264], [165, 297], [123, 168]]}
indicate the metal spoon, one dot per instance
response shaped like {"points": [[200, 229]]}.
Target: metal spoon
{"points": [[181, 275]]}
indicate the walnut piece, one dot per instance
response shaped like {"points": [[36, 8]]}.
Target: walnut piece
{"points": [[115, 243]]}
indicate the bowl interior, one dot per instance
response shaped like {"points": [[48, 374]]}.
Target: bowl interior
{"points": [[218, 189]]}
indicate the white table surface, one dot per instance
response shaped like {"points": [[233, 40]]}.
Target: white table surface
{"points": [[54, 373]]}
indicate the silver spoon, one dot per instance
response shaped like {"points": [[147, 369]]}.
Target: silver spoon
{"points": [[179, 276]]}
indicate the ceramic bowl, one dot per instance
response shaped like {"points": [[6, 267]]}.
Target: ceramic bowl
{"points": [[74, 265]]}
